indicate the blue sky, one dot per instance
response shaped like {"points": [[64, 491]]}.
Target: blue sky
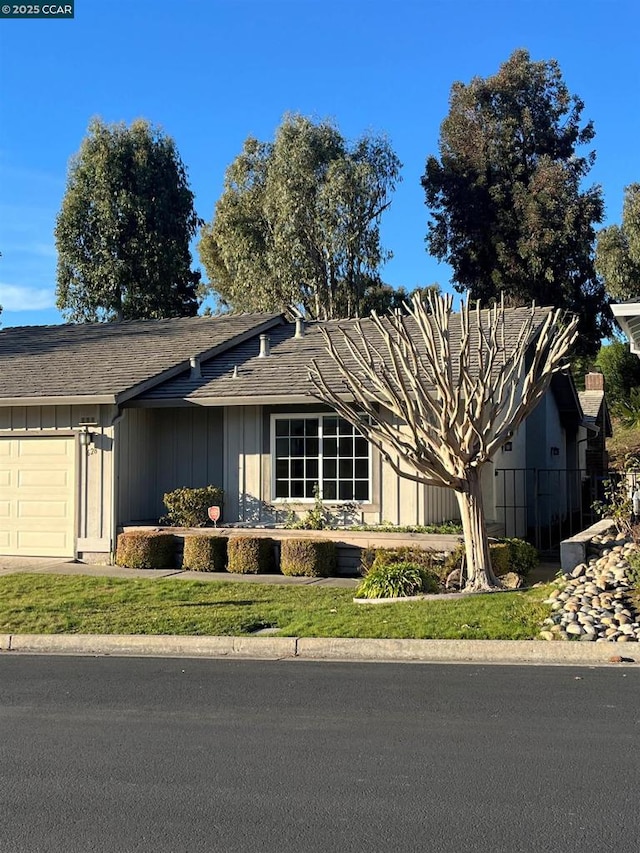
{"points": [[211, 72]]}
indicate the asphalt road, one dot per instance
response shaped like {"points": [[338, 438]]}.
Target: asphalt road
{"points": [[106, 754]]}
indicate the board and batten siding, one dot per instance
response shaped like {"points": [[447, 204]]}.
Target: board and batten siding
{"points": [[247, 477], [93, 493], [160, 450]]}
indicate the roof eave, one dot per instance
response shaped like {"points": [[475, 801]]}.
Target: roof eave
{"points": [[68, 400]]}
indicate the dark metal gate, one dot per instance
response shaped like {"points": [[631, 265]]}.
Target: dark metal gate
{"points": [[545, 505]]}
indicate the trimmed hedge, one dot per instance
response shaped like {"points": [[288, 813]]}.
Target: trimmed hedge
{"points": [[377, 557], [205, 553], [146, 549], [313, 558], [188, 507], [249, 555]]}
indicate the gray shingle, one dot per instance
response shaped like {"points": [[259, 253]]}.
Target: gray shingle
{"points": [[110, 359], [285, 371]]}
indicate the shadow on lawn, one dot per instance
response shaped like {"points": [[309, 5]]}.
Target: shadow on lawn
{"points": [[210, 604]]}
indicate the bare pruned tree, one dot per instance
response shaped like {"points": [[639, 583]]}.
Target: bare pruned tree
{"points": [[444, 391]]}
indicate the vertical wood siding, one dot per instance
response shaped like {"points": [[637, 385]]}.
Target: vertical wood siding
{"points": [[165, 449]]}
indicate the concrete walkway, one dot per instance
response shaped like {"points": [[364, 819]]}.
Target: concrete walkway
{"points": [[45, 565]]}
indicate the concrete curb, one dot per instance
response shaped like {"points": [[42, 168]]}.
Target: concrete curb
{"points": [[327, 649]]}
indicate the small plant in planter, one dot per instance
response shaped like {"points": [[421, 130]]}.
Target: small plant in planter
{"points": [[396, 580], [189, 507]]}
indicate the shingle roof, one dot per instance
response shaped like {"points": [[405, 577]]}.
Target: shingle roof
{"points": [[112, 360], [285, 372], [591, 401]]}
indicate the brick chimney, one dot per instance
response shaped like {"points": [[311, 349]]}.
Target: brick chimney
{"points": [[594, 382]]}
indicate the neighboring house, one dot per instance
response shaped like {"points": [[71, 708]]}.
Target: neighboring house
{"points": [[594, 458], [98, 421], [628, 316]]}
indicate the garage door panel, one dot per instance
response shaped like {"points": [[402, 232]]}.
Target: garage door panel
{"points": [[48, 447], [43, 479], [37, 511], [43, 510], [38, 540]]}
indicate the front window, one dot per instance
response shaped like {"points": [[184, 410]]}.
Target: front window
{"points": [[320, 449]]}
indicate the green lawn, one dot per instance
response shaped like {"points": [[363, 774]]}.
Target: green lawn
{"points": [[54, 604]]}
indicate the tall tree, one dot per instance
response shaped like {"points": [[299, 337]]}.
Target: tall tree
{"points": [[298, 222], [508, 210], [457, 392], [618, 250], [621, 370], [124, 228]]}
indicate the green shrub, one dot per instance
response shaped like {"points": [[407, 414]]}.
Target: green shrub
{"points": [[250, 555], [396, 580], [146, 549], [524, 557], [376, 557], [507, 555], [314, 558], [188, 507], [633, 572], [205, 553]]}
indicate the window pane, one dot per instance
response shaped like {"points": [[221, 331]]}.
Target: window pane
{"points": [[362, 490], [361, 448], [330, 447], [345, 427], [329, 492], [330, 468], [329, 426], [282, 469], [311, 426], [308, 489], [297, 488], [297, 468], [311, 446], [282, 447], [346, 491], [346, 446], [297, 446], [345, 468], [362, 469], [312, 469], [282, 489], [297, 427], [282, 427]]}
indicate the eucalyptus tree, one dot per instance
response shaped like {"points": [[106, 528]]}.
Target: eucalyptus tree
{"points": [[618, 250], [298, 222], [124, 228]]}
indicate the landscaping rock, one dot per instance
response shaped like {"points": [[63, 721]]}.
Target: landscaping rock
{"points": [[592, 602], [511, 580]]}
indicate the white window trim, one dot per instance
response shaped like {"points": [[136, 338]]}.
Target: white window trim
{"points": [[280, 416]]}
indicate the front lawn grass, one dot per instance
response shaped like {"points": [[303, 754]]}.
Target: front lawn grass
{"points": [[54, 604]]}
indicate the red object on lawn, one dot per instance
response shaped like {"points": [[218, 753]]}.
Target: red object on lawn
{"points": [[214, 513]]}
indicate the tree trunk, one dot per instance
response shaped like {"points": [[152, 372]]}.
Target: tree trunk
{"points": [[479, 572]]}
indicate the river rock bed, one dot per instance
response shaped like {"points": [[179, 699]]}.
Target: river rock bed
{"points": [[592, 602]]}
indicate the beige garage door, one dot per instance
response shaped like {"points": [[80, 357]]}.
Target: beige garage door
{"points": [[37, 496]]}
